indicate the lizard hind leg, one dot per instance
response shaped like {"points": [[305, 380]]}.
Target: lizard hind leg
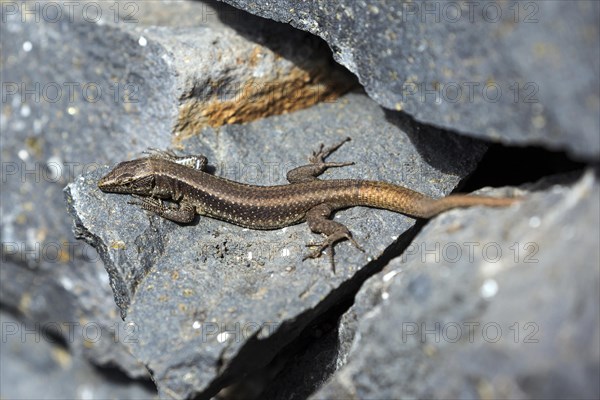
{"points": [[317, 166], [319, 222]]}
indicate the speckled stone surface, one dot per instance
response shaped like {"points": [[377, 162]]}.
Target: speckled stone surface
{"points": [[52, 129], [35, 364]]}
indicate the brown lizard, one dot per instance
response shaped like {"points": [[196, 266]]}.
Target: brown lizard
{"points": [[183, 180]]}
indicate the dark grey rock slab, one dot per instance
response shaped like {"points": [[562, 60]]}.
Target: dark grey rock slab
{"points": [[36, 365], [513, 72], [486, 303], [69, 111], [212, 301]]}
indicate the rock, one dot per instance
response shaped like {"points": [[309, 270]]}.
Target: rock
{"points": [[34, 361], [54, 127], [511, 72], [485, 303], [212, 301], [214, 309], [258, 69]]}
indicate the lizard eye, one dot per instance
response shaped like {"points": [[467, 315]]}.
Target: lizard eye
{"points": [[127, 180]]}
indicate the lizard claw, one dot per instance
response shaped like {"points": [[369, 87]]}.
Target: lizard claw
{"points": [[355, 243], [317, 253], [326, 244], [319, 156]]}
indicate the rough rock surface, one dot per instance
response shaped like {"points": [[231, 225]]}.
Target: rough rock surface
{"points": [[515, 72], [35, 364], [50, 134], [210, 307], [475, 309]]}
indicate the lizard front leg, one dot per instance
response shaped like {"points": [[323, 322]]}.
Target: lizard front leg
{"points": [[319, 222], [185, 213]]}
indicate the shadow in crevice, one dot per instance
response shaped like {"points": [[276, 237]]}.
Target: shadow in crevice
{"points": [[47, 338], [315, 357], [303, 49], [291, 43], [516, 166], [444, 150], [49, 331], [117, 377], [496, 164]]}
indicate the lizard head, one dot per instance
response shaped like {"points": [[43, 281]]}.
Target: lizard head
{"points": [[131, 177]]}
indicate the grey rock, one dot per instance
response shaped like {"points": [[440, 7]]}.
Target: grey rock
{"points": [[475, 309], [212, 301], [247, 70], [513, 72], [36, 365], [51, 133]]}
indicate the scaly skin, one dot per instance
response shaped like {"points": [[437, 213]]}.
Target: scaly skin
{"points": [[165, 176]]}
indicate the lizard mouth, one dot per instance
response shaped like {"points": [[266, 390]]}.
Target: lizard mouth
{"points": [[102, 184], [105, 184], [115, 181]]}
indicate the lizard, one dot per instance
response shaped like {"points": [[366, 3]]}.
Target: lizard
{"points": [[163, 175]]}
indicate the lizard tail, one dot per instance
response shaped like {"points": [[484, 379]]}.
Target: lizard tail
{"points": [[434, 207], [406, 201]]}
